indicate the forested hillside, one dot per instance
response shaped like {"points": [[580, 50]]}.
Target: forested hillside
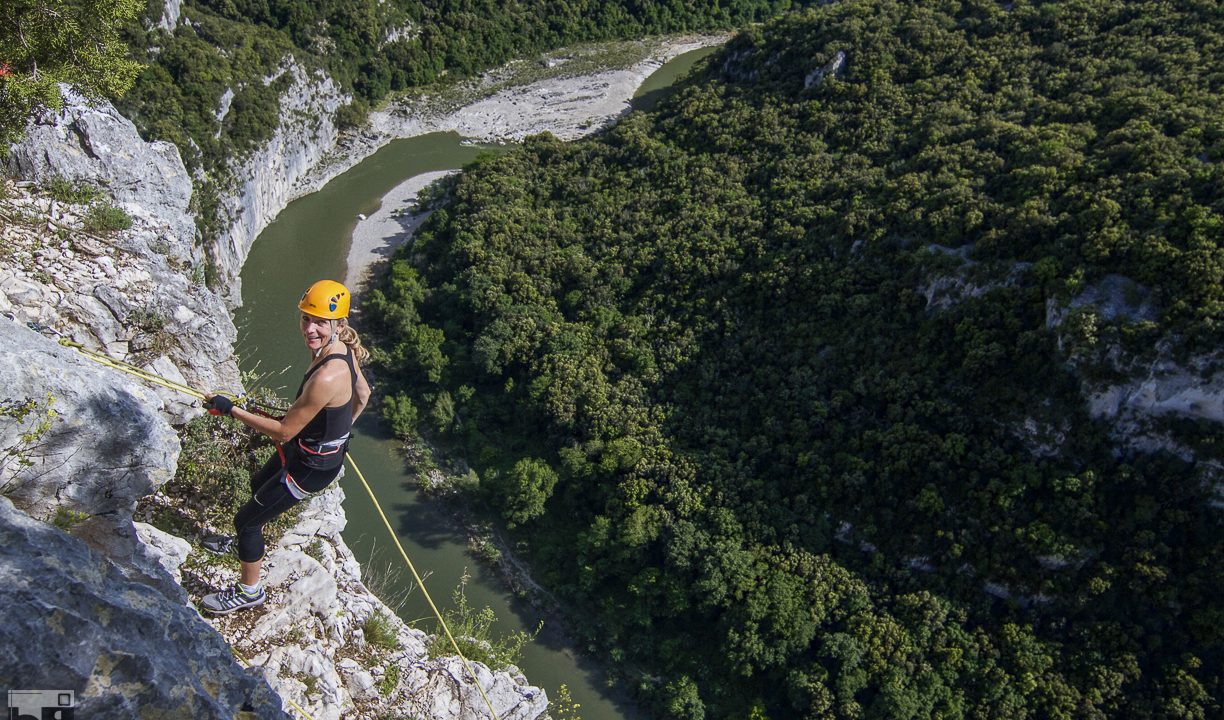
{"points": [[371, 47], [785, 383]]}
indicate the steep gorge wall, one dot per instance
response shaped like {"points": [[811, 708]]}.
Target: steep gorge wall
{"points": [[263, 183], [97, 601]]}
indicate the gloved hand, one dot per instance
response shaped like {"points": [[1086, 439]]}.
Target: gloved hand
{"points": [[219, 405]]}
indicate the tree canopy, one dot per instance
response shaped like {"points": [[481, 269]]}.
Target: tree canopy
{"points": [[44, 43], [805, 349]]}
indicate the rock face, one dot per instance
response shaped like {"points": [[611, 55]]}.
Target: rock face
{"points": [[265, 181], [309, 640], [1161, 389], [95, 144], [1160, 384], [73, 621], [97, 613], [833, 68], [170, 15], [138, 295], [131, 450]]}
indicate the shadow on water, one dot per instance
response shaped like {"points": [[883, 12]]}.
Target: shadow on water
{"points": [[428, 523], [649, 100], [659, 84]]}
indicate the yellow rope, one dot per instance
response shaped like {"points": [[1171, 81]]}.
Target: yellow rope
{"points": [[421, 584], [131, 369], [153, 378]]}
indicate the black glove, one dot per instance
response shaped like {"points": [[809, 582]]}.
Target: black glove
{"points": [[219, 405]]}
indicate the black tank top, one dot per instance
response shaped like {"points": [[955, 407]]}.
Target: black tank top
{"points": [[332, 423]]}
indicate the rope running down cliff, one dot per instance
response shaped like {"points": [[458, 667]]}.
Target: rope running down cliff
{"points": [[179, 387]]}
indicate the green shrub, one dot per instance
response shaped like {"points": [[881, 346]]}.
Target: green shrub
{"points": [[400, 414], [214, 469], [33, 419], [390, 681], [352, 115], [379, 630], [76, 192], [563, 707], [66, 519], [472, 630], [522, 492], [104, 217]]}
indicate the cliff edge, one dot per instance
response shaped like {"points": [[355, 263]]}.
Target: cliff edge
{"points": [[100, 249]]}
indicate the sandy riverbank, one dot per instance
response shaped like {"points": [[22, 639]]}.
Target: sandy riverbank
{"points": [[568, 107], [376, 237]]}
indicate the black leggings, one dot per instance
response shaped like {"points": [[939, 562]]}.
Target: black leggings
{"points": [[270, 498]]}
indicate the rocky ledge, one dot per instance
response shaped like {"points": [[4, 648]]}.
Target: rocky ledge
{"points": [[314, 638]]}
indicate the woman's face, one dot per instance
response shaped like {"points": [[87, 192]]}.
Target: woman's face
{"points": [[316, 331]]}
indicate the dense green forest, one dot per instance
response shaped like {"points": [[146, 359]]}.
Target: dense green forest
{"points": [[783, 383], [371, 47]]}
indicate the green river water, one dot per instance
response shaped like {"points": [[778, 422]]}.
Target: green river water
{"points": [[310, 240]]}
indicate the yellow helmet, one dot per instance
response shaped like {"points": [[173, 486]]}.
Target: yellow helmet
{"points": [[327, 299]]}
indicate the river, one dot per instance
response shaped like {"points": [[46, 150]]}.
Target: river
{"points": [[310, 240]]}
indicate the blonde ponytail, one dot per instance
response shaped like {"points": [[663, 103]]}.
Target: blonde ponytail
{"points": [[349, 337]]}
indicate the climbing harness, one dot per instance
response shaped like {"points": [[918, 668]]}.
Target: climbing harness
{"points": [[164, 382]]}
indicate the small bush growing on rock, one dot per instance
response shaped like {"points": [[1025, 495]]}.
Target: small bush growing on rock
{"points": [[77, 192], [473, 633], [66, 519], [315, 550], [34, 419], [104, 217], [149, 320], [379, 630], [390, 681], [353, 115], [563, 706]]}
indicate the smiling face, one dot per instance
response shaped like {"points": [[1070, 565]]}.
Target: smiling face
{"points": [[316, 331]]}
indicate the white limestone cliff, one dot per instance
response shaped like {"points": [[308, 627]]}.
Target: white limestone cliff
{"points": [[137, 294]]}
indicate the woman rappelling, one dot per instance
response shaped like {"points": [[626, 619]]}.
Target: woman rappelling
{"points": [[312, 438]]}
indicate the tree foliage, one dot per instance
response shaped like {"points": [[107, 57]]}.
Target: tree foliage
{"points": [[371, 47], [45, 43], [788, 344]]}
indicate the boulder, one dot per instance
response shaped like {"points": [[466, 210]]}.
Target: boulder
{"points": [[106, 446], [92, 142], [72, 621], [167, 550]]}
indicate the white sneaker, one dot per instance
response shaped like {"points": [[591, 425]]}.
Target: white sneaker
{"points": [[229, 600]]}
